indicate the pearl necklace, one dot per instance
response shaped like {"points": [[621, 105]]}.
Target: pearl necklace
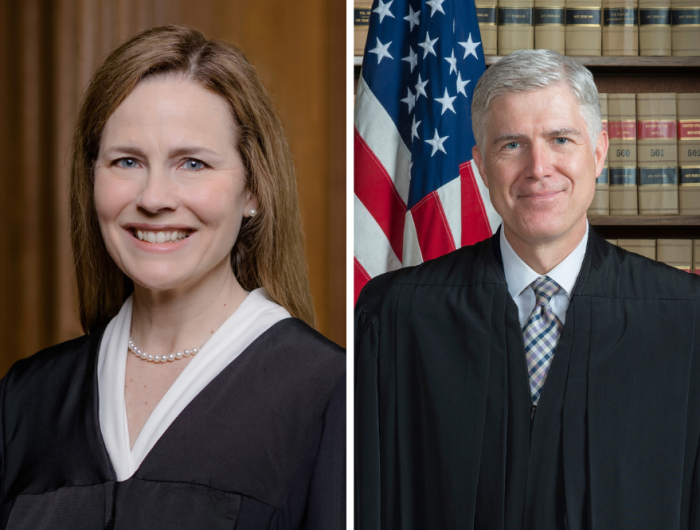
{"points": [[160, 358]]}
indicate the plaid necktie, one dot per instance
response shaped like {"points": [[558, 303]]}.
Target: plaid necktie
{"points": [[541, 334]]}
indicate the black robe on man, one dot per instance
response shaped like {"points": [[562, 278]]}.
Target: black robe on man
{"points": [[444, 435], [262, 446]]}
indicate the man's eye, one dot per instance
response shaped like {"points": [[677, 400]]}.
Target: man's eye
{"points": [[193, 164], [512, 145], [126, 163], [561, 141]]}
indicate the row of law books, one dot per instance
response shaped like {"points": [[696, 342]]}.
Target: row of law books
{"points": [[591, 28], [577, 27], [682, 254], [653, 161]]}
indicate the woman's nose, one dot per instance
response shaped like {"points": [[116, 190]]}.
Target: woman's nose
{"points": [[157, 193]]}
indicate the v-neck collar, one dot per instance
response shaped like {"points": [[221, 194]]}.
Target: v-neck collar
{"points": [[255, 316]]}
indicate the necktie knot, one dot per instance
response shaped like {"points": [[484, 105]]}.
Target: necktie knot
{"points": [[545, 288]]}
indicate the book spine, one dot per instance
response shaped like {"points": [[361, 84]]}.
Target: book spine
{"points": [[601, 199], [549, 22], [515, 29], [677, 253], [685, 30], [657, 154], [362, 12], [486, 15], [696, 256], [620, 28], [643, 247], [622, 151], [688, 106], [655, 28], [583, 28]]}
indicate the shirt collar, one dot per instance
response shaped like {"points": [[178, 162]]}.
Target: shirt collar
{"points": [[519, 275]]}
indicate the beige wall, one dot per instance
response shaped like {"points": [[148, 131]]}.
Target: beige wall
{"points": [[49, 49]]}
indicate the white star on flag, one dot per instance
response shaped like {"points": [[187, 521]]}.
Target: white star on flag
{"points": [[382, 50], [420, 87], [446, 102], [437, 142], [383, 10], [435, 5], [427, 45], [453, 61], [411, 59], [410, 100], [461, 84], [412, 17], [470, 47], [414, 128]]}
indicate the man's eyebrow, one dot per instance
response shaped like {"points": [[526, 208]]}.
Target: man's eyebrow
{"points": [[508, 137], [564, 131], [554, 133]]}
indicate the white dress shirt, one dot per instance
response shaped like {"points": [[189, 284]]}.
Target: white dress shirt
{"points": [[253, 317], [519, 276]]}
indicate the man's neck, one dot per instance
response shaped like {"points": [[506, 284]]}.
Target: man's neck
{"points": [[543, 256]]}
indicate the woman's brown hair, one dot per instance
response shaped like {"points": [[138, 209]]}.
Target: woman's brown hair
{"points": [[269, 251]]}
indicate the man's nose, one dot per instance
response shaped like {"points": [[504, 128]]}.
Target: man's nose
{"points": [[157, 193], [540, 161]]}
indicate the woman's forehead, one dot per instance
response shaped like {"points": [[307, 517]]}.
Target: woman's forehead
{"points": [[171, 109]]}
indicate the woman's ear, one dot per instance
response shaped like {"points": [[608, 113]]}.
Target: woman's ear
{"points": [[251, 205]]}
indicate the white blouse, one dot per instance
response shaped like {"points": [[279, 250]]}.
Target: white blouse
{"points": [[253, 317]]}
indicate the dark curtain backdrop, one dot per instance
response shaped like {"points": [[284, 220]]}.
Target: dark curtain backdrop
{"points": [[48, 51]]}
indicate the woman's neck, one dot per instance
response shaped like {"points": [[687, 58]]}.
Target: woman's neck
{"points": [[185, 318]]}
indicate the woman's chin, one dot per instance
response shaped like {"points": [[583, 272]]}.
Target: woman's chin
{"points": [[162, 282]]}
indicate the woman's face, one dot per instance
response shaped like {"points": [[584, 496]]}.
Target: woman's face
{"points": [[170, 184]]}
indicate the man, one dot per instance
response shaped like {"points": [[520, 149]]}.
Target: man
{"points": [[544, 378]]}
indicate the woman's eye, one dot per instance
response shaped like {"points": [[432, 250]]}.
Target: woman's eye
{"points": [[126, 163], [561, 141], [193, 164]]}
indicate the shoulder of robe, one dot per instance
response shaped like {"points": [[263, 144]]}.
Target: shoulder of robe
{"points": [[617, 273], [312, 350], [470, 265], [53, 363]]}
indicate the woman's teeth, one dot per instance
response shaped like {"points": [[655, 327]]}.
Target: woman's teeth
{"points": [[161, 237]]}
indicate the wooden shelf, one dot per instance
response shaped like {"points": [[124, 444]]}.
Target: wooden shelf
{"points": [[644, 220], [655, 62]]}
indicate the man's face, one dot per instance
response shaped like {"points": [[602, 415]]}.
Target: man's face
{"points": [[538, 164]]}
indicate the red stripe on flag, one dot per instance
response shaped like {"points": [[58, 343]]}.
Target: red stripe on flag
{"points": [[432, 229], [475, 222], [361, 278], [376, 191]]}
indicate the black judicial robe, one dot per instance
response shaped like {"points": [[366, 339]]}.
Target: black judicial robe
{"points": [[262, 446], [444, 437]]}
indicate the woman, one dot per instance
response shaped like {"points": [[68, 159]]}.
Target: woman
{"points": [[193, 400]]}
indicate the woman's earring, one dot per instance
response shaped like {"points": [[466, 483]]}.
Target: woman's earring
{"points": [[252, 212]]}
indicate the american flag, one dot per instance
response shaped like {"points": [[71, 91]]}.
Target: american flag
{"points": [[418, 194]]}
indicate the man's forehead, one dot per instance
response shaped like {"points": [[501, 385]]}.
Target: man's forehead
{"points": [[539, 112]]}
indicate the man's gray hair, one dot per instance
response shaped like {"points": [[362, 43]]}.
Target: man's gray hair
{"points": [[529, 70]]}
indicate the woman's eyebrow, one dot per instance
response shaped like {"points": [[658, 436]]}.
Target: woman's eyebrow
{"points": [[124, 149], [189, 150]]}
